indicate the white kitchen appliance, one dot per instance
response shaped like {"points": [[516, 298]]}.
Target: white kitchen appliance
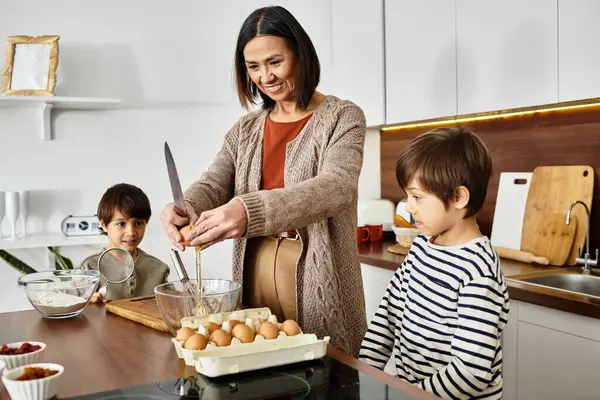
{"points": [[376, 212], [81, 225]]}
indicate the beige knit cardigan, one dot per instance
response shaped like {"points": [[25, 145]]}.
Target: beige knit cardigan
{"points": [[319, 200]]}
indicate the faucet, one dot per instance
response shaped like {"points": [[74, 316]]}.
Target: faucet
{"points": [[586, 259]]}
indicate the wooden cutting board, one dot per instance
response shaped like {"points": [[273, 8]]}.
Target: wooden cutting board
{"points": [[555, 239], [142, 310], [552, 190]]}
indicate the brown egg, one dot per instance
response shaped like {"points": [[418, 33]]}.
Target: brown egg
{"points": [[211, 326], [243, 333], [268, 330], [184, 333], [220, 338], [196, 342], [233, 323], [290, 327]]}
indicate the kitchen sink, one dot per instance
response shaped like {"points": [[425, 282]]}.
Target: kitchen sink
{"points": [[577, 283]]}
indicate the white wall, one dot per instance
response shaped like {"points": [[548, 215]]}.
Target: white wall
{"points": [[171, 65]]}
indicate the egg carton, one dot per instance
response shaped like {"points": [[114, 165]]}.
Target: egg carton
{"points": [[239, 357]]}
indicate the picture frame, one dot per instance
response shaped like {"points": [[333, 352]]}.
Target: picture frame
{"points": [[31, 64]]}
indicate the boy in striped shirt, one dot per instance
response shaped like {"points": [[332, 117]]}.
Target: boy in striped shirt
{"points": [[444, 310]]}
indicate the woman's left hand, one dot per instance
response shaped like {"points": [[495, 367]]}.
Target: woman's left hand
{"points": [[225, 222]]}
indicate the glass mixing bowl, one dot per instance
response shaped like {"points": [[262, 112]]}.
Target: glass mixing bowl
{"points": [[175, 303], [60, 293]]}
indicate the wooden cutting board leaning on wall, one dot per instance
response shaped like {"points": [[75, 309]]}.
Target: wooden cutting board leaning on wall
{"points": [[551, 192]]}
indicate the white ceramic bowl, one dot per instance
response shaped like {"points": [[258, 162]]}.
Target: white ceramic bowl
{"points": [[2, 366], [35, 389], [405, 236], [23, 359]]}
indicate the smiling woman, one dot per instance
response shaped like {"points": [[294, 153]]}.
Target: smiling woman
{"points": [[284, 186]]}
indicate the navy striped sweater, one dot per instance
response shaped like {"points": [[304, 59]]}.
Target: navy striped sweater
{"points": [[441, 318]]}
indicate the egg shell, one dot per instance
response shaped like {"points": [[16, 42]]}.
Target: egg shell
{"points": [[184, 232], [233, 323], [243, 333], [268, 330], [290, 327], [221, 338], [184, 333], [196, 342]]}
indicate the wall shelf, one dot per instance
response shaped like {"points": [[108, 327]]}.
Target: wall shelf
{"points": [[50, 239], [45, 105]]}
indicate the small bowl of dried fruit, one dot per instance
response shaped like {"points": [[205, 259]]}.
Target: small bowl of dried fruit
{"points": [[21, 353], [33, 381]]}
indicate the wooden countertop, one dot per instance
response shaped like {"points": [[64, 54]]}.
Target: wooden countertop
{"points": [[377, 255], [101, 351]]}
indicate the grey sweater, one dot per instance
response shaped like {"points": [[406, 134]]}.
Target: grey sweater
{"points": [[319, 199]]}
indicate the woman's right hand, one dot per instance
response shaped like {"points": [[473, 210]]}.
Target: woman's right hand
{"points": [[172, 222]]}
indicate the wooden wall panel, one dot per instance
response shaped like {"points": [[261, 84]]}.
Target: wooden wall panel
{"points": [[517, 144]]}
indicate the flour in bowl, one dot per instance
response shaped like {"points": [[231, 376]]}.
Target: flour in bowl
{"points": [[59, 303]]}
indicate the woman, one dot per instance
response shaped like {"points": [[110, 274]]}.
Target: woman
{"points": [[284, 186]]}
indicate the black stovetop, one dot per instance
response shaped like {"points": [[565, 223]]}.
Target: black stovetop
{"points": [[318, 379]]}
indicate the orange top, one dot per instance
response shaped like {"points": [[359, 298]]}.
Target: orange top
{"points": [[276, 136]]}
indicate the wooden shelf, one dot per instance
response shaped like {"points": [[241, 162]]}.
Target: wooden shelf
{"points": [[54, 239], [45, 105]]}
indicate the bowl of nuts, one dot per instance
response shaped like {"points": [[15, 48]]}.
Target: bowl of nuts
{"points": [[32, 381]]}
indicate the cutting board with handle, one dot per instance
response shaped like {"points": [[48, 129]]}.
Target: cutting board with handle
{"points": [[509, 211], [552, 190], [143, 310], [555, 238]]}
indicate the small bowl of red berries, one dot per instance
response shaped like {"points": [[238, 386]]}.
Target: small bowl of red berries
{"points": [[21, 353]]}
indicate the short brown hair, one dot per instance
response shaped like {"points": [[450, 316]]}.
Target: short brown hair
{"points": [[128, 199], [277, 21], [444, 159]]}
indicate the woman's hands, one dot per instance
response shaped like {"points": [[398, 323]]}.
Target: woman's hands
{"points": [[225, 222], [172, 222]]}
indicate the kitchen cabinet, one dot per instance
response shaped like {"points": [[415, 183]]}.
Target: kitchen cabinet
{"points": [[550, 354], [375, 281], [358, 54], [420, 59], [578, 56], [506, 54]]}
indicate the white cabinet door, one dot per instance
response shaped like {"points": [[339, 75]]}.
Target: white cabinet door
{"points": [[555, 366], [578, 55], [509, 352], [375, 282], [420, 54], [357, 55], [506, 54]]}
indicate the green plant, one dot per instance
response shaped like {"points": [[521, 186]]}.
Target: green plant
{"points": [[60, 261]]}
